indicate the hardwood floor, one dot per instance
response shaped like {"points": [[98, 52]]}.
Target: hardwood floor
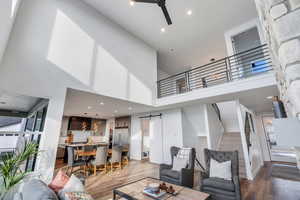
{"points": [[101, 186], [264, 187]]}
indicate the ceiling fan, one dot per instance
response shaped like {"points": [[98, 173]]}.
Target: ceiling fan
{"points": [[161, 4]]}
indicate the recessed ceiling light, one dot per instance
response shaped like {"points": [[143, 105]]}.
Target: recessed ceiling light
{"points": [[189, 12], [116, 111], [101, 103], [89, 107], [129, 108], [163, 30], [131, 3]]}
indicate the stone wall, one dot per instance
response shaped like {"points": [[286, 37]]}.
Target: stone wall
{"points": [[281, 23]]}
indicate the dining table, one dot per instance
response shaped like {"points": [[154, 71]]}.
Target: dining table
{"points": [[78, 146], [80, 153]]}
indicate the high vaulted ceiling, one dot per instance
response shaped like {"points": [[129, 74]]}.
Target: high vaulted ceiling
{"points": [[191, 40]]}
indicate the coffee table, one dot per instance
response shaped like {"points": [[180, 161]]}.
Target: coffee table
{"points": [[134, 191]]}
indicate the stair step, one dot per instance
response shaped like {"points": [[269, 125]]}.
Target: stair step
{"points": [[231, 141]]}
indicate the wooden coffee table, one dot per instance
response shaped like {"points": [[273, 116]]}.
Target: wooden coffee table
{"points": [[134, 191]]}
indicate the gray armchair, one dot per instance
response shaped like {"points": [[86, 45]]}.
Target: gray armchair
{"points": [[185, 177], [218, 188]]}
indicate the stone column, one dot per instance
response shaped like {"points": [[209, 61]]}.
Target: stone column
{"points": [[281, 24]]}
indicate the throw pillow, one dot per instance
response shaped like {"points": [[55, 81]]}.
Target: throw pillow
{"points": [[220, 169], [73, 185], [179, 163], [77, 196], [59, 181]]}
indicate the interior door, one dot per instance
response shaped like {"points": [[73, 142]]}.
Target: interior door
{"points": [[156, 140]]}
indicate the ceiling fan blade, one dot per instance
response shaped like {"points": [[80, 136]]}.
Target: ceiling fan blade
{"points": [[166, 13], [146, 1]]}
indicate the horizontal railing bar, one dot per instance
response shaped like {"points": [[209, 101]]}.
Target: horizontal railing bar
{"points": [[261, 51], [256, 56], [224, 67], [250, 62], [213, 81], [239, 66], [224, 73], [249, 50], [223, 59]]}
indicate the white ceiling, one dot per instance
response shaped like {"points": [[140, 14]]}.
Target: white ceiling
{"points": [[195, 39], [85, 104], [16, 102]]}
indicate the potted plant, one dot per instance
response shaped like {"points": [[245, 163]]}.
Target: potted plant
{"points": [[10, 167]]}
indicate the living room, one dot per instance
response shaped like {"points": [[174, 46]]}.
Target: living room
{"points": [[133, 89]]}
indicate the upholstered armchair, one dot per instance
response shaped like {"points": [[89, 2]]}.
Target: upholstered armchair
{"points": [[218, 188], [185, 177]]}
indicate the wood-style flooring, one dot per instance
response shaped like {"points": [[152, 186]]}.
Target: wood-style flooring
{"points": [[264, 187]]}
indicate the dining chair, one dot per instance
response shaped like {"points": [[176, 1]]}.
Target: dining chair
{"points": [[116, 157], [125, 159], [87, 149], [72, 161], [100, 161]]}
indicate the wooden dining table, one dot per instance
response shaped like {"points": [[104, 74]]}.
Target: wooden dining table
{"points": [[80, 145]]}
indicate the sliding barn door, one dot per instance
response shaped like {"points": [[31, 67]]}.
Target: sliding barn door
{"points": [[156, 140]]}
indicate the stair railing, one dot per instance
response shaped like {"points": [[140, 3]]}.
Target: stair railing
{"points": [[199, 164]]}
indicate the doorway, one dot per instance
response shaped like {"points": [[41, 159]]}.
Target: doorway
{"points": [[246, 40], [145, 126]]}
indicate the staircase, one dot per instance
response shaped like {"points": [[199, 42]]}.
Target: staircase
{"points": [[232, 141]]}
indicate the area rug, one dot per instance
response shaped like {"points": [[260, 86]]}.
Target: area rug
{"points": [[289, 172]]}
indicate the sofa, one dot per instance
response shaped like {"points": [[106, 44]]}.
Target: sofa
{"points": [[32, 188]]}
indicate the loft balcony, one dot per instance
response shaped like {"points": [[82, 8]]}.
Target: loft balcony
{"points": [[250, 63]]}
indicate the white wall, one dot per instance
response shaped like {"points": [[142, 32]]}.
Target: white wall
{"points": [[161, 74], [8, 12], [172, 131], [229, 116], [79, 48], [194, 128], [255, 156], [64, 126], [136, 138], [215, 128], [59, 44]]}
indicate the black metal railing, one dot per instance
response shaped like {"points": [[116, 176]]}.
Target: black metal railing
{"points": [[239, 66]]}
